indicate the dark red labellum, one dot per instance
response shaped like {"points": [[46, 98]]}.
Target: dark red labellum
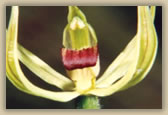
{"points": [[75, 59]]}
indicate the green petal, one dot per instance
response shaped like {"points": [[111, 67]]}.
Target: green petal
{"points": [[144, 56], [148, 46], [153, 10], [119, 66], [132, 51], [11, 35], [14, 72], [42, 70], [146, 42]]}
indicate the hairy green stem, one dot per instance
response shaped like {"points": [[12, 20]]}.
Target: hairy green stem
{"points": [[88, 102]]}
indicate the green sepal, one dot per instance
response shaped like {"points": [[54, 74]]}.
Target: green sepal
{"points": [[78, 34], [74, 11]]}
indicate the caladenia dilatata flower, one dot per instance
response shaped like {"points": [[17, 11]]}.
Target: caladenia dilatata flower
{"points": [[80, 57]]}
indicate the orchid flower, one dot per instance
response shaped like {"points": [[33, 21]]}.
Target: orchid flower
{"points": [[80, 58]]}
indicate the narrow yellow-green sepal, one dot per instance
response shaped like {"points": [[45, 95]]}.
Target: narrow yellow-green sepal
{"points": [[148, 48], [153, 10], [104, 87], [43, 70], [132, 72], [11, 36], [14, 72], [119, 67]]}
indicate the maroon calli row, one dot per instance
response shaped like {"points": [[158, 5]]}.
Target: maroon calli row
{"points": [[77, 59]]}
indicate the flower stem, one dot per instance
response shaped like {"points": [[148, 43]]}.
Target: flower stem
{"points": [[88, 102]]}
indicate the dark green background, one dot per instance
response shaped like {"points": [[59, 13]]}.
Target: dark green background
{"points": [[40, 31]]}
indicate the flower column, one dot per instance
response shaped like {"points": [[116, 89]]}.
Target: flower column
{"points": [[80, 56]]}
